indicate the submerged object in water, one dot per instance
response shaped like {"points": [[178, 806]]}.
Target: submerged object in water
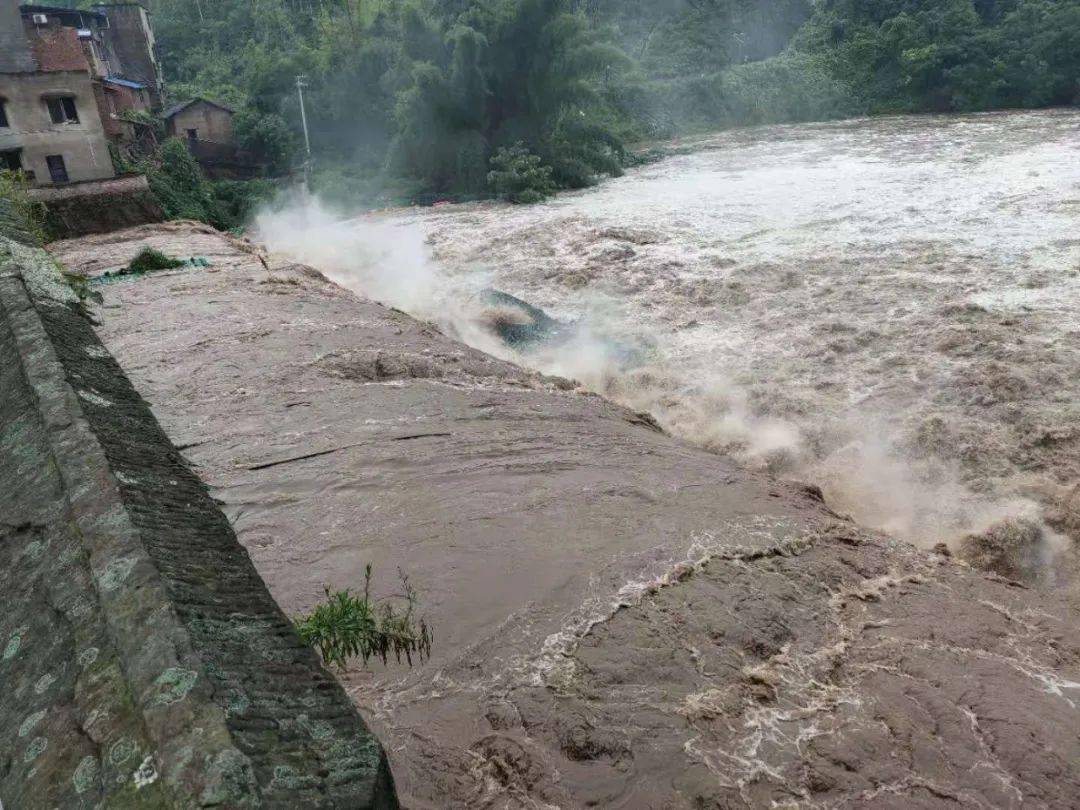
{"points": [[519, 323], [524, 327]]}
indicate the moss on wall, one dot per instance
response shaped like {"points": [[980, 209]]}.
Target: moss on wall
{"points": [[145, 662]]}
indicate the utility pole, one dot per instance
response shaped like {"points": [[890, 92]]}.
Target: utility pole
{"points": [[301, 83]]}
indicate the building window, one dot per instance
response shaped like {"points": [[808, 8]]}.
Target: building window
{"points": [[62, 110], [57, 169], [193, 134], [11, 160], [3, 114]]}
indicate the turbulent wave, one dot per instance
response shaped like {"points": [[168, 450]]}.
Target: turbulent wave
{"points": [[885, 308]]}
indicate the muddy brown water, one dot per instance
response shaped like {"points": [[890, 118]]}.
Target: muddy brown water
{"points": [[887, 307], [630, 619]]}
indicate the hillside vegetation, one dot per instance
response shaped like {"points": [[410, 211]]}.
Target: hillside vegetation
{"points": [[412, 99], [949, 55]]}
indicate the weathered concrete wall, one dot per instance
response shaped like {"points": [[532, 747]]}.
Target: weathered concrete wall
{"points": [[132, 39], [144, 663], [98, 206], [15, 56], [82, 145]]}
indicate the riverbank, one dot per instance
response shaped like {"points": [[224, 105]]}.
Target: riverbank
{"points": [[621, 618]]}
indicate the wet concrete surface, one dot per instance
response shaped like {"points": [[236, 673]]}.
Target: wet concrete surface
{"points": [[622, 619]]}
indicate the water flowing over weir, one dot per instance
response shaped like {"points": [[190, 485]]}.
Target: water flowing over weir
{"points": [[887, 308], [622, 618]]}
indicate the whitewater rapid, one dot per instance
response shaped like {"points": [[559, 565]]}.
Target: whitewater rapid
{"points": [[887, 308]]}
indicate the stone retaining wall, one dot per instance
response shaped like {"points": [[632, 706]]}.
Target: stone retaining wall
{"points": [[98, 206], [143, 660]]}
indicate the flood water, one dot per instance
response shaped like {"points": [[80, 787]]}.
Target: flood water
{"points": [[885, 308], [888, 308]]}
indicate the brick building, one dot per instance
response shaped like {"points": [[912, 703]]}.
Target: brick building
{"points": [[67, 78]]}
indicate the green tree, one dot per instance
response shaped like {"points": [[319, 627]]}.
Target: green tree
{"points": [[519, 176], [951, 55], [414, 98], [267, 138]]}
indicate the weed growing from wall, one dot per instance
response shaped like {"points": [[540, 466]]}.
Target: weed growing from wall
{"points": [[347, 626]]}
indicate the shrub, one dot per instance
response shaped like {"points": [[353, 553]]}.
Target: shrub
{"points": [[178, 183], [347, 626], [237, 201], [268, 139], [185, 193], [150, 260], [519, 176], [22, 217], [144, 119]]}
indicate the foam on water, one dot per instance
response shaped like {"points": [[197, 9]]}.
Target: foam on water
{"points": [[886, 307]]}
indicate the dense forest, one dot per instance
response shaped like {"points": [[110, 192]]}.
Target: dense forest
{"points": [[949, 55], [425, 99]]}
